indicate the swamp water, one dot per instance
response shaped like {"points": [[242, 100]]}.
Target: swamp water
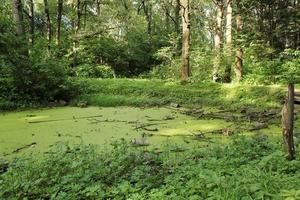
{"points": [[37, 130]]}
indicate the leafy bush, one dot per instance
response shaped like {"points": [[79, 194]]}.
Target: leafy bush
{"points": [[263, 72], [291, 67], [100, 71]]}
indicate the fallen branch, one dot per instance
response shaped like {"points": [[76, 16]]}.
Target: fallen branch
{"points": [[24, 147]]}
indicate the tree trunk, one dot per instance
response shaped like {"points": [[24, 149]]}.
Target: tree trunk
{"points": [[239, 50], [48, 20], [217, 39], [288, 123], [59, 15], [85, 16], [18, 17], [227, 75], [185, 12], [76, 30], [98, 2], [31, 16], [177, 17], [148, 13]]}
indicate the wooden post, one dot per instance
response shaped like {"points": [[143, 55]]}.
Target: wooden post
{"points": [[288, 122]]}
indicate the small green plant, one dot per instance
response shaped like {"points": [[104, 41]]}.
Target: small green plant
{"points": [[247, 168]]}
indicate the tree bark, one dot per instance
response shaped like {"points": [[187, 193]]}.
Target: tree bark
{"points": [[217, 39], [48, 20], [76, 31], [59, 16], [177, 17], [288, 123], [148, 13], [227, 75], [31, 16], [18, 17], [98, 3], [185, 12], [239, 50]]}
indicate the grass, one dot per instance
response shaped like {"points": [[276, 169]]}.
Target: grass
{"points": [[130, 92]]}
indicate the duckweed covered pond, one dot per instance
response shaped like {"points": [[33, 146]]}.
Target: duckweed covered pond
{"points": [[37, 130]]}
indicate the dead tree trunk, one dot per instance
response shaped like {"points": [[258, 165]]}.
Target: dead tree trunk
{"points": [[288, 123]]}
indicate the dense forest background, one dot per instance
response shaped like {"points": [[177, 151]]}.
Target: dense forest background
{"points": [[45, 44]]}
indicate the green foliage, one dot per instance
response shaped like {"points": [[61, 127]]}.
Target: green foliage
{"points": [[264, 72], [119, 92], [247, 168], [284, 69], [291, 66], [100, 71]]}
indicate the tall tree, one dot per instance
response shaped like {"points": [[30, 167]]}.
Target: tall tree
{"points": [[48, 23], [177, 17], [98, 6], [18, 17], [77, 26], [31, 16], [147, 8], [239, 50], [218, 39], [186, 26], [59, 16], [227, 75]]}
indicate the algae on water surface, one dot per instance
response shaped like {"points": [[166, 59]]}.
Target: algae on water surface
{"points": [[93, 125]]}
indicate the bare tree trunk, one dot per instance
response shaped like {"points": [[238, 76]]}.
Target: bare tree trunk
{"points": [[18, 17], [31, 16], [185, 12], [288, 123], [76, 30], [239, 50], [217, 39], [227, 75], [59, 16], [48, 20]]}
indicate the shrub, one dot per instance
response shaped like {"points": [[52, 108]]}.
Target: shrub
{"points": [[99, 71]]}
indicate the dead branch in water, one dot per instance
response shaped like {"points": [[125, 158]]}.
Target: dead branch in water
{"points": [[24, 147]]}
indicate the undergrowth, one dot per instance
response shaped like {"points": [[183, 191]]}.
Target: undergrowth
{"points": [[130, 92], [247, 168]]}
